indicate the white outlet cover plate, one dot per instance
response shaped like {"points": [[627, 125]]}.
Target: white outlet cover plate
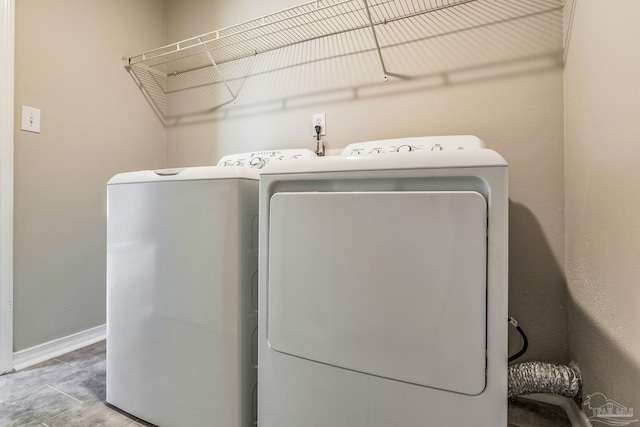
{"points": [[30, 119], [319, 118]]}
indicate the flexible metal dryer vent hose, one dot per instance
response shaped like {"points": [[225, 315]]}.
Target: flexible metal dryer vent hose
{"points": [[541, 377]]}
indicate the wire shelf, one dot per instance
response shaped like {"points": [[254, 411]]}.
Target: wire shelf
{"points": [[220, 61], [299, 24]]}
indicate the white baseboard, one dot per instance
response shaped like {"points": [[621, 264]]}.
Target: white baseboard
{"points": [[49, 350], [577, 417]]}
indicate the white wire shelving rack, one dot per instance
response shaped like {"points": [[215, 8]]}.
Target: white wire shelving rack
{"points": [[223, 54]]}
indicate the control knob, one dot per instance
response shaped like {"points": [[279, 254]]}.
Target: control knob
{"points": [[257, 162], [437, 147], [404, 149]]}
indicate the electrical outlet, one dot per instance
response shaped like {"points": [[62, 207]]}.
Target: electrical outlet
{"points": [[319, 120]]}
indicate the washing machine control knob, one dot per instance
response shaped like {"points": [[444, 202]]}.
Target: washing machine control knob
{"points": [[437, 147], [257, 162], [376, 151], [404, 149]]}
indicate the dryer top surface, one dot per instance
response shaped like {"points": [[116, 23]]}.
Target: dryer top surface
{"points": [[402, 153]]}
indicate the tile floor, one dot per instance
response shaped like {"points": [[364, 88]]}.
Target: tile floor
{"points": [[69, 391]]}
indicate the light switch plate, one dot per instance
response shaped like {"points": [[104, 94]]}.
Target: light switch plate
{"points": [[30, 119]]}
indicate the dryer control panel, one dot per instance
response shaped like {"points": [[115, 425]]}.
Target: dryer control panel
{"points": [[419, 144], [259, 159]]}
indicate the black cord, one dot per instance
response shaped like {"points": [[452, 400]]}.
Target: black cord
{"points": [[318, 128], [525, 341]]}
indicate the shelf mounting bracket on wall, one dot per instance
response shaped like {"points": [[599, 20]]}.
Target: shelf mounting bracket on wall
{"points": [[215, 65], [375, 39]]}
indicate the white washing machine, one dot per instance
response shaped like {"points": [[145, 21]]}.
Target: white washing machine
{"points": [[182, 292], [383, 287]]}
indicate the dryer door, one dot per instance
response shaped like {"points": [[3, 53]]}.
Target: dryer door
{"points": [[391, 284]]}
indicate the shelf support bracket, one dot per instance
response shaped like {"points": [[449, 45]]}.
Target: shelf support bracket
{"points": [[375, 39], [215, 65]]}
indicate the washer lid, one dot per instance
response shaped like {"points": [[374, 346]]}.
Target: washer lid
{"points": [[391, 284], [186, 174]]}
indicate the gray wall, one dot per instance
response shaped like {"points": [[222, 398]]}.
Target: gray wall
{"points": [[511, 96], [602, 137], [95, 123]]}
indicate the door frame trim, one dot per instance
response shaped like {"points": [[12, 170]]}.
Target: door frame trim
{"points": [[7, 61]]}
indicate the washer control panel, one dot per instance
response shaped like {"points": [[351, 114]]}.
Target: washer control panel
{"points": [[259, 159], [411, 145]]}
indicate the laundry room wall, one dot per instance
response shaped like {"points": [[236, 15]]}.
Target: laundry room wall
{"points": [[94, 124], [602, 102], [514, 103]]}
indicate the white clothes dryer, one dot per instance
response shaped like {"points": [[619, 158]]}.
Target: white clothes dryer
{"points": [[182, 292], [383, 287]]}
